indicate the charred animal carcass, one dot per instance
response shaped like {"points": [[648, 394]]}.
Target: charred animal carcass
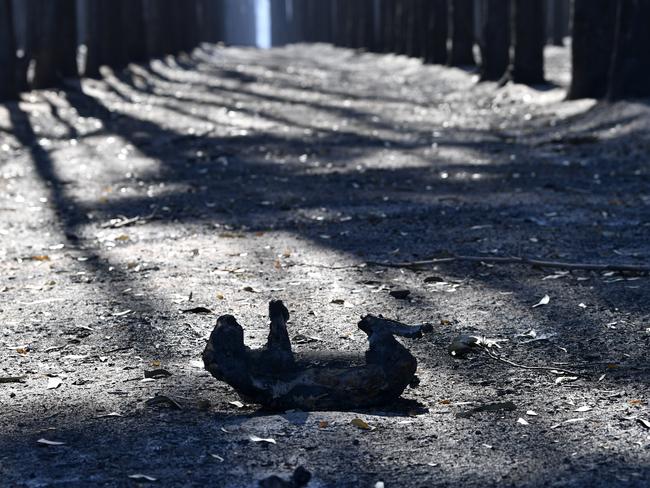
{"points": [[277, 378]]}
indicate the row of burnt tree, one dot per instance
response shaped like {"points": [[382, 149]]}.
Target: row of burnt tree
{"points": [[40, 39], [610, 48], [611, 38]]}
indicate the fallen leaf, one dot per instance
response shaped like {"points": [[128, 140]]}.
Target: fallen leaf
{"points": [[237, 403], [112, 414], [217, 457], [40, 257], [250, 289], [338, 301], [361, 424], [569, 421], [565, 379], [46, 442], [434, 279], [644, 423], [199, 310], [23, 350], [584, 408], [142, 477], [267, 440], [219, 296], [522, 421], [122, 238], [544, 301], [532, 413], [162, 400], [323, 424], [304, 339], [54, 383], [631, 402], [155, 363]]}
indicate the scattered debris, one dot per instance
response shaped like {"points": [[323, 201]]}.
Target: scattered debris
{"points": [[401, 294], [536, 336], [544, 301], [12, 379], [237, 403], [361, 424], [569, 421], [539, 263], [142, 477], [265, 440], [643, 422], [54, 383], [584, 408], [489, 407], [198, 310], [46, 442], [522, 421], [163, 401]]}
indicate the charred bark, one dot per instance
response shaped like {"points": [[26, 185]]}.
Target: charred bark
{"points": [[8, 89], [630, 68], [462, 33], [495, 40], [528, 39], [594, 25], [437, 31]]}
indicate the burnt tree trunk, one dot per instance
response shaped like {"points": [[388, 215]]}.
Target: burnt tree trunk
{"points": [[46, 41], [560, 21], [527, 64], [134, 30], [594, 23], [437, 31], [630, 68], [278, 22], [495, 40], [462, 33], [8, 88]]}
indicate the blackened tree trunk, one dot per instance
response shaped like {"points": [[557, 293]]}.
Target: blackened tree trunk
{"points": [[630, 68], [594, 23], [45, 19], [134, 30], [462, 33], [528, 39], [437, 31], [495, 40], [560, 21], [8, 89], [105, 43], [67, 38], [54, 41]]}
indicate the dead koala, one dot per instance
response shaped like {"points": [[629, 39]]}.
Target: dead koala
{"points": [[277, 378]]}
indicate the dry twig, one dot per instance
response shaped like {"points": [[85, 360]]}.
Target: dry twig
{"points": [[630, 268]]}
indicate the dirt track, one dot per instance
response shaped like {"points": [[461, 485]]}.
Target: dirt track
{"points": [[242, 175]]}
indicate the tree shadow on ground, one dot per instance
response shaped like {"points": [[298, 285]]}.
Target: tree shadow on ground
{"points": [[252, 195]]}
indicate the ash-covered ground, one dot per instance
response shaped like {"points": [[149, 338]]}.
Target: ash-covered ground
{"points": [[234, 176]]}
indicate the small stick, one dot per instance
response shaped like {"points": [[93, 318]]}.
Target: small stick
{"points": [[523, 366], [519, 260]]}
